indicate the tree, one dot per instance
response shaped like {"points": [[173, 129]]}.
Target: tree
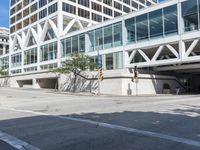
{"points": [[76, 65], [3, 72]]}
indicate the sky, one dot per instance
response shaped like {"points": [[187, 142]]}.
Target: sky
{"points": [[4, 12]]}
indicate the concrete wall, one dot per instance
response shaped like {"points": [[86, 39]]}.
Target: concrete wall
{"points": [[4, 81], [116, 82]]}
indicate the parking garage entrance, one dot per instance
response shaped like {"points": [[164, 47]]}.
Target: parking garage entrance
{"points": [[188, 75], [47, 83], [25, 83]]}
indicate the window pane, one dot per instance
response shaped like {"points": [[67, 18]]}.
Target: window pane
{"points": [[117, 34], [108, 38], [82, 43], [142, 27], [170, 19], [190, 15], [75, 44], [99, 39], [91, 40], [109, 61], [130, 28], [156, 23]]}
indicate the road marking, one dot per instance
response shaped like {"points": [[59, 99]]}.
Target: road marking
{"points": [[16, 143], [115, 127]]}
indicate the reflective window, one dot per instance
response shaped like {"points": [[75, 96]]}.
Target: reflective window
{"points": [[48, 52], [142, 27], [66, 47], [99, 39], [117, 30], [4, 62], [170, 19], [82, 43], [190, 15], [16, 60], [156, 23], [75, 44], [130, 28], [108, 38], [30, 56], [91, 40]]}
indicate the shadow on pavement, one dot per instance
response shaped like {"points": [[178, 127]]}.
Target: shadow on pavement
{"points": [[50, 133]]}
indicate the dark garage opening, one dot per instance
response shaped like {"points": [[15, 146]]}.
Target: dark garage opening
{"points": [[48, 83], [25, 83]]}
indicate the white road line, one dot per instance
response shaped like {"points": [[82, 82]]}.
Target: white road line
{"points": [[115, 127], [16, 143]]}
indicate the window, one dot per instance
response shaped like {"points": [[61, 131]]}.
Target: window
{"points": [[108, 37], [117, 30], [190, 15], [43, 13], [30, 56], [82, 43], [75, 44], [42, 3], [69, 8], [4, 62], [84, 13], [142, 27], [84, 2], [91, 40], [99, 39], [48, 52], [170, 19], [66, 47], [53, 8], [156, 23], [130, 30], [16, 60]]}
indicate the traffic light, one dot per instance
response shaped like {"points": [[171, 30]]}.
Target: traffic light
{"points": [[100, 74]]}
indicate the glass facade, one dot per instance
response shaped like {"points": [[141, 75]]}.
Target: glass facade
{"points": [[73, 44], [16, 60], [4, 63], [48, 52], [190, 14], [30, 56], [105, 37], [153, 24]]}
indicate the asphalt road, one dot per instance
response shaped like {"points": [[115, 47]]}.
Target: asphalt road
{"points": [[53, 121]]}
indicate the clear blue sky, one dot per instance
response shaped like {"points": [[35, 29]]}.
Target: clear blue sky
{"points": [[4, 12]]}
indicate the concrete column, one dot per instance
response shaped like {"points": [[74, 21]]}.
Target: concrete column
{"points": [[4, 49], [35, 84]]}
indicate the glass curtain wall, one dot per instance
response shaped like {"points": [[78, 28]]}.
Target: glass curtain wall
{"points": [[106, 37], [73, 45], [170, 19], [48, 52], [190, 15], [30, 56], [4, 62], [16, 60], [142, 27], [156, 23], [153, 24], [130, 30]]}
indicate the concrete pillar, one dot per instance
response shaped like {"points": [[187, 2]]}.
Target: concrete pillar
{"points": [[4, 49], [36, 84]]}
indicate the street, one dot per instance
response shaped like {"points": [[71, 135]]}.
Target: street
{"points": [[46, 120]]}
